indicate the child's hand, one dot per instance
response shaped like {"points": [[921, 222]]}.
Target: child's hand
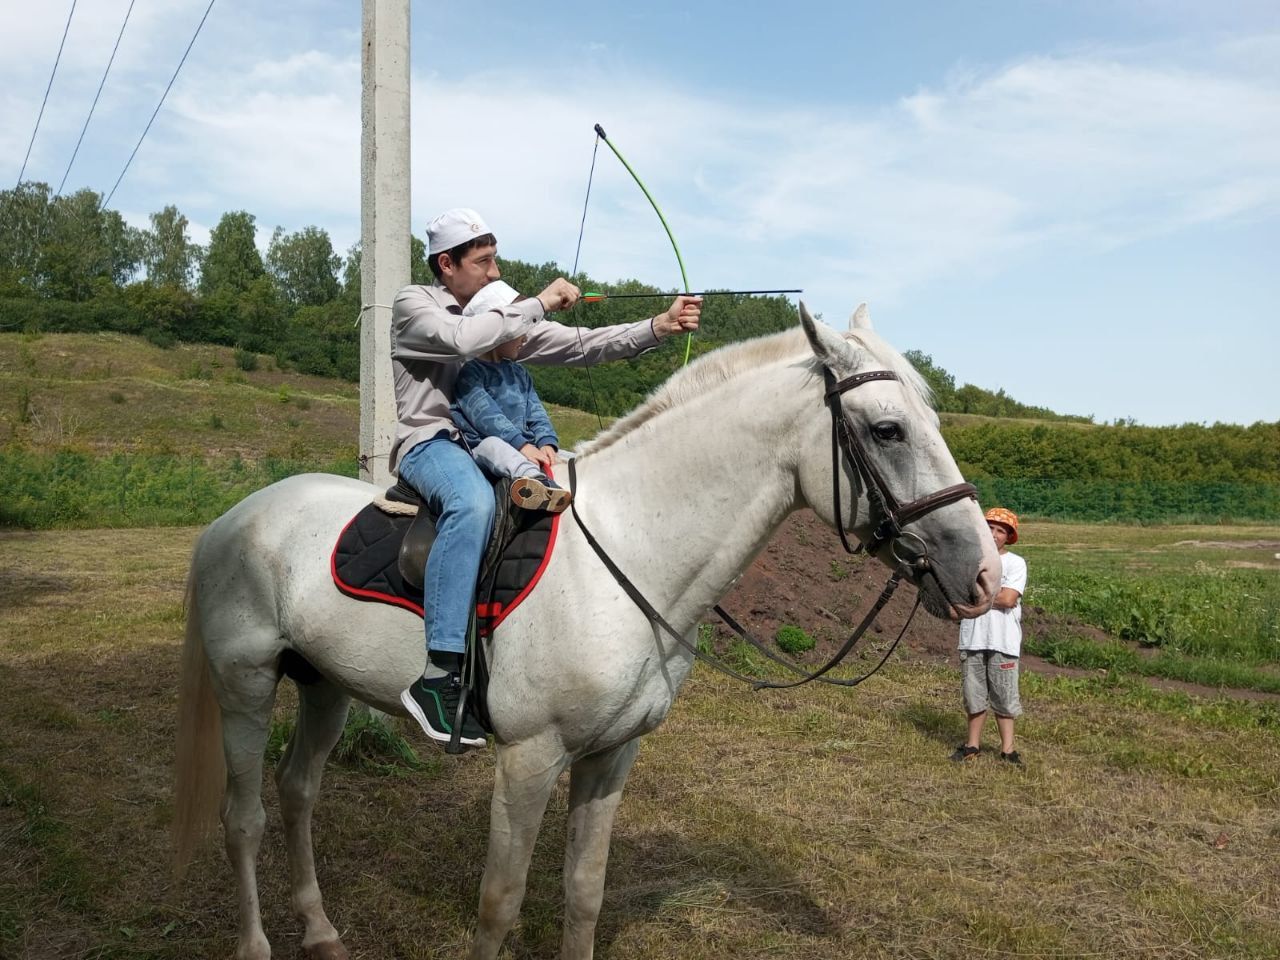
{"points": [[531, 453], [550, 455]]}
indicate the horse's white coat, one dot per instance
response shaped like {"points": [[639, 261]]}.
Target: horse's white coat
{"points": [[683, 494]]}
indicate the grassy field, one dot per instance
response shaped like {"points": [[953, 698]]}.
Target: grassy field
{"points": [[1192, 603], [819, 824]]}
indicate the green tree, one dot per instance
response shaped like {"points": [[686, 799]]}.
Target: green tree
{"points": [[86, 250], [419, 272], [24, 211], [232, 260], [305, 266], [261, 317], [351, 276], [940, 382], [169, 256]]}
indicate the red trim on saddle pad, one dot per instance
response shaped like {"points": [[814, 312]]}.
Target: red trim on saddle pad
{"points": [[491, 618], [357, 593]]}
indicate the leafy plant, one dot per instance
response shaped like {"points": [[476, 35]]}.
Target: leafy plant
{"points": [[793, 640]]}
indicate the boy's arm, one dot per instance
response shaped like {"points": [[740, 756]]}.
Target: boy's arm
{"points": [[537, 422], [1013, 582], [483, 411]]}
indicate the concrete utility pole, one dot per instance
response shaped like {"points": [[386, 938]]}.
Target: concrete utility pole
{"points": [[384, 220]]}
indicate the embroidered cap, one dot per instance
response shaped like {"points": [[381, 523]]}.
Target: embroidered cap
{"points": [[454, 227], [1006, 518], [493, 295]]}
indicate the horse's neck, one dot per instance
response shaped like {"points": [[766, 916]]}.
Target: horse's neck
{"points": [[683, 503]]}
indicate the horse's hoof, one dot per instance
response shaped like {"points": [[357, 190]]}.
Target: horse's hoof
{"points": [[329, 950]]}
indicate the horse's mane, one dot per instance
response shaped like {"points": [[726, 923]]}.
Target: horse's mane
{"points": [[722, 365]]}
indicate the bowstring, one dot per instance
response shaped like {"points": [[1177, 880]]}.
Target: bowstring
{"points": [[582, 226]]}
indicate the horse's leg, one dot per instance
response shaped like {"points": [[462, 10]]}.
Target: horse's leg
{"points": [[246, 720], [322, 712], [595, 790], [526, 774]]}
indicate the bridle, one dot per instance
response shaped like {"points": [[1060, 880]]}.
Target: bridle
{"points": [[892, 516]]}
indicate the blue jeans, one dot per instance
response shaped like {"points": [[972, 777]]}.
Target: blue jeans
{"points": [[446, 477]]}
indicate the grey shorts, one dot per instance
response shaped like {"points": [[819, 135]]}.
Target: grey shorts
{"points": [[990, 678]]}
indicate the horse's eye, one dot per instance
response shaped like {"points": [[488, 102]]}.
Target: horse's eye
{"points": [[887, 430]]}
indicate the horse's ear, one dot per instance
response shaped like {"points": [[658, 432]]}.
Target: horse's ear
{"points": [[831, 348], [861, 319]]}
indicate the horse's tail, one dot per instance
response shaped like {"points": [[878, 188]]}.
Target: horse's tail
{"points": [[200, 772]]}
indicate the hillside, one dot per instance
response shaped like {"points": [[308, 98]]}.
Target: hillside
{"points": [[107, 393], [217, 420]]}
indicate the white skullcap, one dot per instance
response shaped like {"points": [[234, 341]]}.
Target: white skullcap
{"points": [[492, 295], [454, 227]]}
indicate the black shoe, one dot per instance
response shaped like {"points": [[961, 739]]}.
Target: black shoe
{"points": [[965, 752], [1011, 757], [540, 493], [434, 703]]}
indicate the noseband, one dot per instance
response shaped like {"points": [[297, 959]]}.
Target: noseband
{"points": [[893, 517]]}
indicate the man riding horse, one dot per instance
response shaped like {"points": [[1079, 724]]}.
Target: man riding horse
{"points": [[430, 341]]}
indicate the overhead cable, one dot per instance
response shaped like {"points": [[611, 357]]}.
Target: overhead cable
{"points": [[57, 60], [94, 105], [160, 104]]}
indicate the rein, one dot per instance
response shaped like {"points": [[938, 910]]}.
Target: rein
{"points": [[894, 516]]}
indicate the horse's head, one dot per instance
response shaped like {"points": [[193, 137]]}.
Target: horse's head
{"points": [[898, 488]]}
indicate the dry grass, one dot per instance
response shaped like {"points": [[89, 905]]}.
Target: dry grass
{"points": [[821, 824]]}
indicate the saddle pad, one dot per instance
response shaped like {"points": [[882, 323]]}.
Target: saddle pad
{"points": [[365, 563]]}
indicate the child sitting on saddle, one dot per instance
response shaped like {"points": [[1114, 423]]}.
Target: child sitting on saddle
{"points": [[497, 410]]}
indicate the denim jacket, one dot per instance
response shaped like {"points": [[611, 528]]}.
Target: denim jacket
{"points": [[498, 400]]}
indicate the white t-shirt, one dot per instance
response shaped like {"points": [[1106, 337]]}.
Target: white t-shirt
{"points": [[999, 629]]}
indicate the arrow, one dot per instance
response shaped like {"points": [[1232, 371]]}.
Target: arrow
{"points": [[592, 297]]}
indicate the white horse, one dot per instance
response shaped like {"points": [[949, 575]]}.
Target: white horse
{"points": [[682, 493]]}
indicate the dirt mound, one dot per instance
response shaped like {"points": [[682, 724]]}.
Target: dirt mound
{"points": [[805, 579]]}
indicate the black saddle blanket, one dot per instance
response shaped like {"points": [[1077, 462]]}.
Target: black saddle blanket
{"points": [[365, 562]]}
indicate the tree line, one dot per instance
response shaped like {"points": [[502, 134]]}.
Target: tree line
{"points": [[67, 264]]}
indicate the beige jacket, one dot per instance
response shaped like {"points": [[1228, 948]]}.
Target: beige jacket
{"points": [[431, 340]]}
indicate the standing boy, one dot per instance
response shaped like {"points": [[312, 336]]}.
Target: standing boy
{"points": [[990, 646]]}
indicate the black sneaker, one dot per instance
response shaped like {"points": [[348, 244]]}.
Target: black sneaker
{"points": [[540, 493], [434, 703], [965, 752], [1011, 757]]}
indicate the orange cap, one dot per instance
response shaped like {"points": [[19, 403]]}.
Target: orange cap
{"points": [[1006, 517]]}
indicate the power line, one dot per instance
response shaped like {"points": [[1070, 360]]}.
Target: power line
{"points": [[95, 99], [56, 61], [160, 104]]}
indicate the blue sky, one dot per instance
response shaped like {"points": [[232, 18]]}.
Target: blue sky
{"points": [[1077, 202]]}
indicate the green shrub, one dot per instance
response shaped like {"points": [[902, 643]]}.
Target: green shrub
{"points": [[793, 640], [246, 360]]}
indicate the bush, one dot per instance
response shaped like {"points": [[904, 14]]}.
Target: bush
{"points": [[246, 360], [793, 640]]}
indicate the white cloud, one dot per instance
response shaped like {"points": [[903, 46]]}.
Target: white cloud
{"points": [[1092, 150]]}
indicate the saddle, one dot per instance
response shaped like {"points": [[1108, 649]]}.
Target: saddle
{"points": [[381, 556]]}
